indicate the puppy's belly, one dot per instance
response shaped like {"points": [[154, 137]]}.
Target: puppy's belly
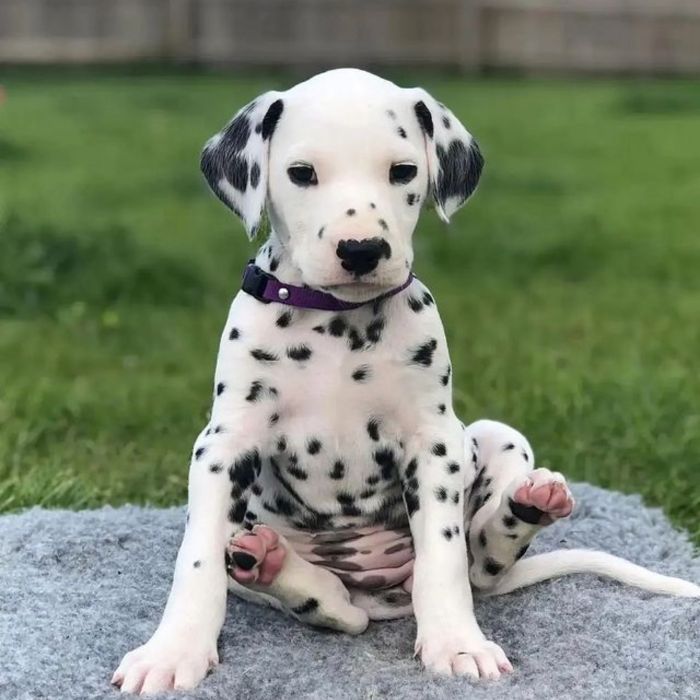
{"points": [[364, 557]]}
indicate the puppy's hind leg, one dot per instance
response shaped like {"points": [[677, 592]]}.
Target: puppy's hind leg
{"points": [[263, 568], [509, 501]]}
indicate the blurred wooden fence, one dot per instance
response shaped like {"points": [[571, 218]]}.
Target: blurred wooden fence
{"points": [[632, 36]]}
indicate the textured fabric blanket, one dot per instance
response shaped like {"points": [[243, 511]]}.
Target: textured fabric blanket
{"points": [[77, 590]]}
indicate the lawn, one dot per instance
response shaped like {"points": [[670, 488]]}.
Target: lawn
{"points": [[570, 286]]}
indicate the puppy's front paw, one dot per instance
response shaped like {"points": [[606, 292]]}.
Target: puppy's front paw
{"points": [[462, 655], [178, 662]]}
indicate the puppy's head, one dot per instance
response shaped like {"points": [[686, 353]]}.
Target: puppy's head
{"points": [[343, 164]]}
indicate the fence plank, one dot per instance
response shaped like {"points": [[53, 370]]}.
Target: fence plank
{"points": [[600, 36]]}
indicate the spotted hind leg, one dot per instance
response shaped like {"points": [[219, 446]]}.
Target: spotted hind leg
{"points": [[264, 569], [509, 501], [387, 604]]}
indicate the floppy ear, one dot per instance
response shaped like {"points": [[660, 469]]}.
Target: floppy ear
{"points": [[454, 159], [235, 161]]}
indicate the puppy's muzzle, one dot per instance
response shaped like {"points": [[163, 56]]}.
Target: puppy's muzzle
{"points": [[361, 257]]}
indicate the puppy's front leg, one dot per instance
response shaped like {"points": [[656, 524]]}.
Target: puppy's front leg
{"points": [[449, 640], [183, 646], [226, 461]]}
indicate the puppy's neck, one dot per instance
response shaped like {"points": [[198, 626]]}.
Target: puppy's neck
{"points": [[274, 258]]}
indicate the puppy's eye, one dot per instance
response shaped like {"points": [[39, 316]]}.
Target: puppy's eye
{"points": [[302, 174], [402, 173]]}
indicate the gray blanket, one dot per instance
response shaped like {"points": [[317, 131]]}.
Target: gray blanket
{"points": [[77, 590]]}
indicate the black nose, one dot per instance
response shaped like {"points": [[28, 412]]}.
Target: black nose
{"points": [[362, 256]]}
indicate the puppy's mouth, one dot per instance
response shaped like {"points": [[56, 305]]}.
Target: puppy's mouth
{"points": [[360, 289]]}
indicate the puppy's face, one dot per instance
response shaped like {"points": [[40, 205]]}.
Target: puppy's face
{"points": [[343, 163]]}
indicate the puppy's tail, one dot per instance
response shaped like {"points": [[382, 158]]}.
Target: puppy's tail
{"points": [[541, 567]]}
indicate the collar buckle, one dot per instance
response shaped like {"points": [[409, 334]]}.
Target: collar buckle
{"points": [[255, 281]]}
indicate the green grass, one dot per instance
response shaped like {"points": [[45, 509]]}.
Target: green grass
{"points": [[570, 286]]}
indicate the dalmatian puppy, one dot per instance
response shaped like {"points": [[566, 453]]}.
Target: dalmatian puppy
{"points": [[334, 480]]}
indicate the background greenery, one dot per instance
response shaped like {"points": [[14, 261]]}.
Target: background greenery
{"points": [[570, 286]]}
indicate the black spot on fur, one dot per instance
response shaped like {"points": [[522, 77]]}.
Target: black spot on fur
{"points": [[351, 212], [220, 388], [197, 564], [299, 353], [410, 199], [428, 299], [367, 493], [284, 506], [319, 329], [281, 444], [423, 354], [284, 319], [441, 409], [345, 498], [362, 373], [386, 459], [199, 452], [263, 355], [453, 467], [445, 121], [482, 538], [411, 468], [337, 326], [384, 225], [441, 494], [274, 418], [425, 119], [254, 175], [521, 552], [236, 513], [412, 502], [273, 115], [374, 330], [509, 521], [274, 264], [444, 380], [402, 132], [216, 467], [373, 429], [313, 446], [338, 471], [509, 446], [455, 497], [439, 449], [308, 606], [447, 533], [355, 341], [245, 469], [492, 567], [234, 334], [320, 232], [256, 389], [236, 172], [460, 169], [297, 472], [415, 304]]}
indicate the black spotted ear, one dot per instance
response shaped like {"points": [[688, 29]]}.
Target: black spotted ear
{"points": [[454, 159], [235, 161]]}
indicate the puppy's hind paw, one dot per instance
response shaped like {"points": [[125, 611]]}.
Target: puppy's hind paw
{"points": [[255, 557]]}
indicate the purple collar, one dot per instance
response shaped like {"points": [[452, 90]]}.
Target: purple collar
{"points": [[266, 288]]}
